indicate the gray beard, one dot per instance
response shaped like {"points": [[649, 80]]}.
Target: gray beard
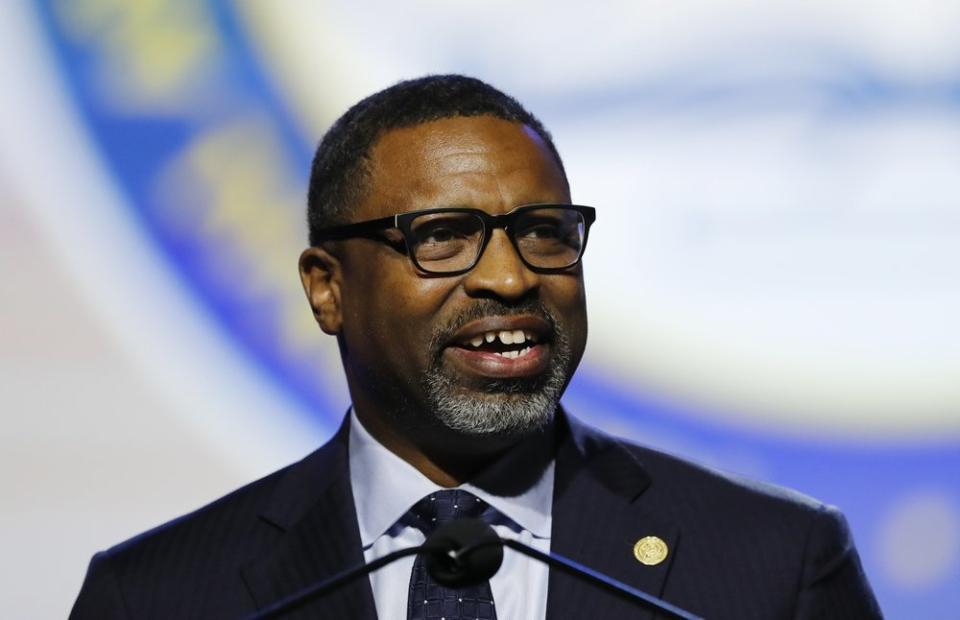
{"points": [[513, 407]]}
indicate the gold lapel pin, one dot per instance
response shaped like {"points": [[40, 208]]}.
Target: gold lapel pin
{"points": [[650, 550]]}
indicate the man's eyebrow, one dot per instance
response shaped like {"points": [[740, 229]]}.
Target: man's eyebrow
{"points": [[446, 205]]}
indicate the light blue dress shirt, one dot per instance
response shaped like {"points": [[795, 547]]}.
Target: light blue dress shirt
{"points": [[385, 487]]}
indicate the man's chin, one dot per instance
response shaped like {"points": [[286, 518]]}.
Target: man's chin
{"points": [[509, 389], [504, 408]]}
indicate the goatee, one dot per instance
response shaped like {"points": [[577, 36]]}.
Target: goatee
{"points": [[510, 407]]}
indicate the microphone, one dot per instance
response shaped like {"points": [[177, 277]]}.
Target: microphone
{"points": [[463, 553], [468, 551]]}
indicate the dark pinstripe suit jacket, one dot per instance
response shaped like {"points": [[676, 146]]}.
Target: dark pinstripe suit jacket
{"points": [[737, 549]]}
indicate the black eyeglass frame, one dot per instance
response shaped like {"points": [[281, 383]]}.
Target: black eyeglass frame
{"points": [[403, 222]]}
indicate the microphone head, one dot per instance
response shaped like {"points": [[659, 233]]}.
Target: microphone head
{"points": [[463, 553]]}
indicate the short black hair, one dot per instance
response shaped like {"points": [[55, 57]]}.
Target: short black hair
{"points": [[339, 172]]}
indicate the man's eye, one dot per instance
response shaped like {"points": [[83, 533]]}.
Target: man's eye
{"points": [[447, 230], [543, 231], [439, 235]]}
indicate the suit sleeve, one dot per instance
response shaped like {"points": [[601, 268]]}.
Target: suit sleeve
{"points": [[100, 597], [833, 584]]}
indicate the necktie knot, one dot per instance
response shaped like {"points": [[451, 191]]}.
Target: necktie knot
{"points": [[444, 506]]}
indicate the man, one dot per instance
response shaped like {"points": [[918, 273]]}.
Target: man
{"points": [[445, 257]]}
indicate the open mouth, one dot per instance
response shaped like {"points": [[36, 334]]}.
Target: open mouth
{"points": [[510, 344], [502, 347]]}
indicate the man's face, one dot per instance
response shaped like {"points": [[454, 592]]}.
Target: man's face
{"points": [[417, 348]]}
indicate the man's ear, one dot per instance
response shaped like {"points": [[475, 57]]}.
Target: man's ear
{"points": [[321, 275]]}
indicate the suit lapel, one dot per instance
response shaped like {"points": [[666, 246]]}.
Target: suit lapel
{"points": [[314, 528], [598, 516]]}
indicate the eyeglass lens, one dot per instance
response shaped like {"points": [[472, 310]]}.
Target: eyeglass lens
{"points": [[548, 238]]}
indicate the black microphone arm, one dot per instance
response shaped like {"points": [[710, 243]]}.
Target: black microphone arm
{"points": [[469, 551], [596, 578], [300, 597]]}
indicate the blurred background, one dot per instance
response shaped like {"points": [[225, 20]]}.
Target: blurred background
{"points": [[773, 277]]}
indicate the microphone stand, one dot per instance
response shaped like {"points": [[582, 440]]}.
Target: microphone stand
{"points": [[455, 554]]}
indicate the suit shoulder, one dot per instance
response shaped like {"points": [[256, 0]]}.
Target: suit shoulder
{"points": [[769, 529], [671, 477], [218, 525], [679, 471], [158, 572], [191, 566], [695, 495]]}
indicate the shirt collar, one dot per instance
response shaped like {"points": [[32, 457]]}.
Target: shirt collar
{"points": [[385, 487]]}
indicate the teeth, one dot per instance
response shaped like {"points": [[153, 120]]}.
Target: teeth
{"points": [[514, 336], [514, 354]]}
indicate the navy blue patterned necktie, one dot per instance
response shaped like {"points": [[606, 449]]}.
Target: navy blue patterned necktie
{"points": [[428, 600]]}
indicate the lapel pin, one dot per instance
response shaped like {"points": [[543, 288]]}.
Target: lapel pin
{"points": [[650, 550]]}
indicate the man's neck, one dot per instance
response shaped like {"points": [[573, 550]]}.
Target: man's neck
{"points": [[449, 459]]}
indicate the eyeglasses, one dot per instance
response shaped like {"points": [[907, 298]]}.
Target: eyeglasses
{"points": [[549, 238]]}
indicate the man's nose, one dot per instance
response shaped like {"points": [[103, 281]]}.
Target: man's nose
{"points": [[500, 272]]}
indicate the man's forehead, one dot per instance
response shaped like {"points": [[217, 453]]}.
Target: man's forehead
{"points": [[463, 156], [463, 136]]}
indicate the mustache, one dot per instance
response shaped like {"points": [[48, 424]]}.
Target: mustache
{"points": [[483, 308]]}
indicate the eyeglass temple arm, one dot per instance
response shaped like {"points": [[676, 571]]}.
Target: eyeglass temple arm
{"points": [[358, 229]]}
